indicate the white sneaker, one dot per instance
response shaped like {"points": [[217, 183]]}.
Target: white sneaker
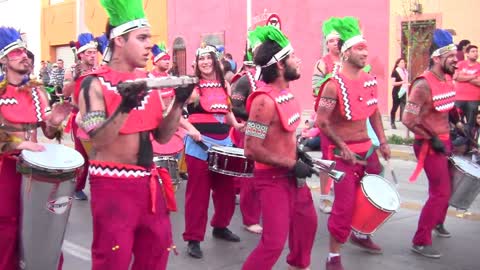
{"points": [[325, 206]]}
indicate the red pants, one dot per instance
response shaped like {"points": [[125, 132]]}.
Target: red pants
{"points": [[197, 197], [82, 177], [439, 187], [123, 221], [324, 146], [288, 212], [340, 220], [249, 202], [10, 183]]}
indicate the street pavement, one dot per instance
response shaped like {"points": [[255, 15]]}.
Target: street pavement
{"points": [[461, 252]]}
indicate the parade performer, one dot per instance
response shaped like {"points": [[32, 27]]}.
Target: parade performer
{"points": [[431, 99], [130, 202], [346, 101], [274, 115], [86, 51], [323, 70], [210, 115], [23, 108]]}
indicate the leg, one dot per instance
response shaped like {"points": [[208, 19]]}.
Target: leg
{"points": [[395, 105], [153, 239], [303, 227], [197, 198], [249, 202], [275, 197], [471, 112], [223, 196], [402, 108], [10, 182], [114, 222], [435, 209]]}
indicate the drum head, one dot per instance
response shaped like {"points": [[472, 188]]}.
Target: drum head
{"points": [[466, 166], [381, 192], [55, 157], [228, 150]]}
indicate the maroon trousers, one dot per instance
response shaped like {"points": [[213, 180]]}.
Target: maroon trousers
{"points": [[439, 187], [249, 202], [82, 177], [123, 221], [197, 197], [10, 183], [288, 212], [340, 220]]}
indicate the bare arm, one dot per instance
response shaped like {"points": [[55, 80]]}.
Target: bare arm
{"points": [[377, 125], [261, 116], [460, 76], [319, 72], [327, 104], [169, 125], [92, 106], [476, 81], [418, 98], [68, 89]]}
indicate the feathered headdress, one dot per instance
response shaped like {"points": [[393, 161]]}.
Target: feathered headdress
{"points": [[125, 16], [206, 48], [349, 31], [85, 42], [328, 31], [444, 42], [159, 52], [263, 33], [102, 43], [10, 39]]}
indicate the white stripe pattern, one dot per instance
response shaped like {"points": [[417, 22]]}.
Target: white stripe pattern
{"points": [[94, 170], [445, 107], [219, 107], [110, 87], [36, 103], [370, 83], [294, 118], [284, 98], [210, 85], [348, 112], [444, 96], [8, 101], [372, 101]]}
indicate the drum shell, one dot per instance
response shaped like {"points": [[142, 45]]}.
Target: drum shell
{"points": [[367, 215], [171, 164], [465, 188], [230, 164], [46, 201]]}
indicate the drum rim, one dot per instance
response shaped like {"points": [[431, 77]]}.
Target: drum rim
{"points": [[370, 199], [230, 173], [165, 157], [460, 168], [51, 168], [216, 150]]}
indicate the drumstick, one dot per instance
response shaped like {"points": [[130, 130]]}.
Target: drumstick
{"points": [[357, 161], [389, 166]]}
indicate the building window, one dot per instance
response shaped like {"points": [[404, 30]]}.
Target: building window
{"points": [[53, 2], [179, 57]]}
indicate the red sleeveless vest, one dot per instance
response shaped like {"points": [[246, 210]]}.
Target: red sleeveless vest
{"points": [[329, 63], [443, 92], [357, 98], [288, 108], [148, 116], [23, 107], [213, 100]]}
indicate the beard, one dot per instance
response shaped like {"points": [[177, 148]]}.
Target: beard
{"points": [[291, 74], [448, 70]]}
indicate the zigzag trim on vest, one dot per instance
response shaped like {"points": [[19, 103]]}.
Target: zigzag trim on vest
{"points": [[444, 96], [284, 98], [36, 103], [445, 107], [251, 79], [348, 112], [8, 101], [294, 118], [372, 101], [115, 172], [210, 85], [111, 87], [370, 83]]}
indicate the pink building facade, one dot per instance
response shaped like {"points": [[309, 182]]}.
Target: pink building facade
{"points": [[190, 22]]}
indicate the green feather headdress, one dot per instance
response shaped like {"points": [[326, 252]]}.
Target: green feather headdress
{"points": [[263, 33], [125, 16], [328, 31], [349, 31]]}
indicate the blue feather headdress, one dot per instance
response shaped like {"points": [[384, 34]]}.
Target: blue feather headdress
{"points": [[443, 40], [10, 40], [159, 51], [85, 42], [102, 43]]}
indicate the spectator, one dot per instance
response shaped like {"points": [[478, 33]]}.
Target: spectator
{"points": [[468, 84], [233, 64], [461, 47], [227, 70], [400, 86], [44, 74], [57, 76], [310, 137]]}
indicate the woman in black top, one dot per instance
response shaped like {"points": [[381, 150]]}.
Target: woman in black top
{"points": [[399, 91]]}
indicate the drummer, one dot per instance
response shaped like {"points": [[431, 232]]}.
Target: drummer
{"points": [[342, 115], [120, 124], [86, 52], [274, 115], [26, 111], [430, 100], [211, 117]]}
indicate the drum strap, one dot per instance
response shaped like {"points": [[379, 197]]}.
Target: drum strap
{"points": [[357, 147]]}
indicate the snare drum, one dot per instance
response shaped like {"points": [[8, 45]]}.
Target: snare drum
{"points": [[375, 202], [230, 161], [170, 163], [48, 183], [465, 182]]}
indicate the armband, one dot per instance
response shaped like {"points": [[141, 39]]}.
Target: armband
{"points": [[93, 120], [256, 129]]}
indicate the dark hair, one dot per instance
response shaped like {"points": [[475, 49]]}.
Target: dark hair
{"points": [[228, 55], [469, 47], [396, 63], [462, 44], [30, 56], [216, 68], [108, 31], [264, 53], [61, 60], [226, 66]]}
